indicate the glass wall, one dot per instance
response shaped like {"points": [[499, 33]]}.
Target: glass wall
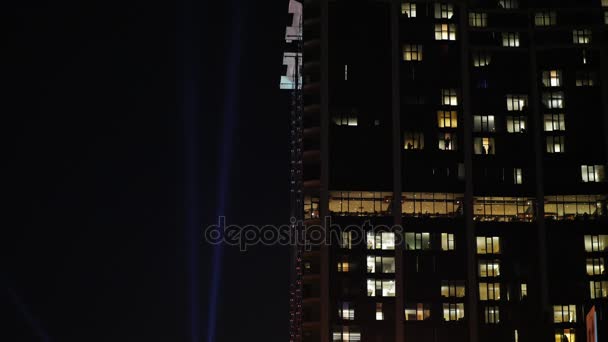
{"points": [[570, 207], [417, 204], [360, 203], [503, 209], [428, 204]]}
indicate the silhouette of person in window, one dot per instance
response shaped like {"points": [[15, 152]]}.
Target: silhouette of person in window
{"points": [[483, 150], [447, 143]]}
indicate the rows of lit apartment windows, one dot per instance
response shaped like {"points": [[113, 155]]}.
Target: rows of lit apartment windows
{"points": [[367, 203], [596, 247], [541, 19], [386, 241], [571, 207], [412, 312], [499, 209], [503, 209], [425, 241], [488, 271], [564, 315], [553, 100], [489, 285], [442, 11]]}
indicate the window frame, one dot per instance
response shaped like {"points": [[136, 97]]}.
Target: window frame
{"points": [[553, 141], [409, 9], [489, 291], [545, 18], [478, 19], [486, 124], [445, 31], [510, 39], [556, 120], [412, 52], [443, 11]]}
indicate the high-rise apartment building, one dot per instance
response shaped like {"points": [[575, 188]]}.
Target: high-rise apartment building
{"points": [[480, 128]]}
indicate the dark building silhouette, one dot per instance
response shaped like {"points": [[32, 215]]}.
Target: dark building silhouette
{"points": [[488, 120]]}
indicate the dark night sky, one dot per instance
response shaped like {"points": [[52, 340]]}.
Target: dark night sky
{"points": [[93, 243]]}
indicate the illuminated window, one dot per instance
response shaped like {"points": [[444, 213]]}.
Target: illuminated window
{"points": [[447, 119], [447, 141], [564, 313], [555, 122], [346, 334], [447, 242], [431, 204], [516, 124], [592, 173], [585, 58], [570, 207], [518, 176], [606, 17], [489, 268], [477, 19], [380, 240], [380, 264], [343, 264], [452, 289], [449, 97], [379, 312], [491, 314], [523, 291], [599, 289], [565, 335], [556, 144], [585, 78], [596, 243], [408, 9], [481, 59], [346, 311], [445, 32], [444, 11], [412, 52], [360, 203], [484, 123], [508, 4], [503, 209], [311, 207], [510, 39], [596, 266], [347, 240], [453, 311], [417, 241], [604, 3], [345, 119], [380, 287], [516, 102], [581, 36], [417, 312], [552, 78], [553, 99], [545, 18], [413, 141], [489, 291], [484, 145], [488, 245]]}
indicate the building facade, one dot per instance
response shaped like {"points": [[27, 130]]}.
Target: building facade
{"points": [[488, 121]]}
